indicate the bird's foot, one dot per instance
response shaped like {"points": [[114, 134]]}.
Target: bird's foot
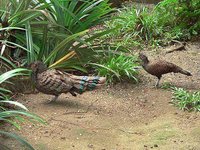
{"points": [[157, 83]]}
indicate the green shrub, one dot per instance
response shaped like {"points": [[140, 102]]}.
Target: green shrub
{"points": [[118, 67], [48, 31], [168, 20], [18, 115], [125, 22], [185, 100]]}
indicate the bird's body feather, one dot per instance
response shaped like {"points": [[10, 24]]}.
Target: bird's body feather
{"points": [[55, 82], [160, 67]]}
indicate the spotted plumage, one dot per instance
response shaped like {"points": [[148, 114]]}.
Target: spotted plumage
{"points": [[55, 82]]}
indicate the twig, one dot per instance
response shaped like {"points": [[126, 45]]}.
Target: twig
{"points": [[129, 132], [181, 47]]}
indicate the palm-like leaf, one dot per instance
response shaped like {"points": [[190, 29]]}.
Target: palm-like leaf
{"points": [[10, 116], [18, 138]]}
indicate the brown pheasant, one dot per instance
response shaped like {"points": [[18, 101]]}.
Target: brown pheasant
{"points": [[55, 82], [158, 68]]}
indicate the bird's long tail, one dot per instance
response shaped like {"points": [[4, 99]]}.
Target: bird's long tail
{"points": [[185, 72], [87, 83]]}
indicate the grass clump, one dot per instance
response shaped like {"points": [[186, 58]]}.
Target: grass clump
{"points": [[117, 67], [185, 100], [168, 20], [125, 22], [13, 112]]}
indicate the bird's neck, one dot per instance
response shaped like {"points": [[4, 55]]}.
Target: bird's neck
{"points": [[36, 71], [34, 76]]}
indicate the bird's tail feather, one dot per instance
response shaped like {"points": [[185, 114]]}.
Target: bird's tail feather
{"points": [[87, 83], [185, 72]]}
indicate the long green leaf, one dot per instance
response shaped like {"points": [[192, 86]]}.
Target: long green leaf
{"points": [[12, 73], [63, 43], [99, 65], [15, 103], [18, 138]]}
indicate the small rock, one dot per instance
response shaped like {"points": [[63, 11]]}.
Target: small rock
{"points": [[90, 146], [62, 138], [46, 131], [145, 145], [155, 145]]}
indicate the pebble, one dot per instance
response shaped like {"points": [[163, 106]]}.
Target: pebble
{"points": [[155, 145], [90, 146], [62, 138]]}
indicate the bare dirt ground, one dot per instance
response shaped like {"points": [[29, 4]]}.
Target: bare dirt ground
{"points": [[123, 117]]}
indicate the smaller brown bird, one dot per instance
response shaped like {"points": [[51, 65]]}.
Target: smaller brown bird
{"points": [[160, 67], [55, 82]]}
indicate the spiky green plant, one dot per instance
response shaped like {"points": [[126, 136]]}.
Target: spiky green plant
{"points": [[185, 100], [118, 67], [13, 117], [50, 30], [168, 20]]}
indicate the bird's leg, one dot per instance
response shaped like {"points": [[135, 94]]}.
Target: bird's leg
{"points": [[157, 83], [54, 99], [72, 93]]}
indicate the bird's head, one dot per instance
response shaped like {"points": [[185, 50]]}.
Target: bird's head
{"points": [[38, 66], [143, 57]]}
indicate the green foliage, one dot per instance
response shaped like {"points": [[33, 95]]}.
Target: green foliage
{"points": [[168, 20], [14, 117], [125, 22], [18, 138], [76, 16], [185, 100], [118, 67], [50, 30], [67, 31], [4, 93], [167, 85]]}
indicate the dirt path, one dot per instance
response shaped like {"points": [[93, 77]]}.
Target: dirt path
{"points": [[123, 117]]}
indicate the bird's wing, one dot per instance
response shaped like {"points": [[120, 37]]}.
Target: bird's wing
{"points": [[161, 67], [55, 80]]}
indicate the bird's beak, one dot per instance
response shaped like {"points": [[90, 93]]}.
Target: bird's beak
{"points": [[137, 68]]}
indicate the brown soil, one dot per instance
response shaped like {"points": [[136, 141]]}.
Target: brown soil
{"points": [[123, 117]]}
